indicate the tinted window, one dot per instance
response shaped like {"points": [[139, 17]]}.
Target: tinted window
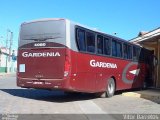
{"points": [[99, 44], [90, 38], [107, 46], [81, 40], [119, 49], [142, 55], [127, 51], [136, 52], [116, 48]]}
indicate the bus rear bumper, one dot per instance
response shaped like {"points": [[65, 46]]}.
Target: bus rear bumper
{"points": [[41, 84]]}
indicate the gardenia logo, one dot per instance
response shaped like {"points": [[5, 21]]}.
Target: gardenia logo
{"points": [[95, 63], [44, 54]]}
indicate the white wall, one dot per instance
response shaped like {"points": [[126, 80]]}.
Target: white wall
{"points": [[3, 60]]}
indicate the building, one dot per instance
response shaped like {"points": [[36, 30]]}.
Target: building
{"points": [[7, 64], [151, 41]]}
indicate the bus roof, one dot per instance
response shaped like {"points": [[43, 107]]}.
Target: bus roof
{"points": [[43, 19], [78, 24]]}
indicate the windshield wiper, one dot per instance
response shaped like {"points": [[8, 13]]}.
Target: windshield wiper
{"points": [[42, 39]]}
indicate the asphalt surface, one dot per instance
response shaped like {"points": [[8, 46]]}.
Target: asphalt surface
{"points": [[15, 100]]}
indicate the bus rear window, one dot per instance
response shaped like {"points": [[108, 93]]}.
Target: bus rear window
{"points": [[42, 34]]}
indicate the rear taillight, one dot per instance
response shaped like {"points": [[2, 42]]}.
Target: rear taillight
{"points": [[67, 65]]}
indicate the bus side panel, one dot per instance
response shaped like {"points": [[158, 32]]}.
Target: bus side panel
{"points": [[129, 79], [70, 81], [94, 79], [83, 79]]}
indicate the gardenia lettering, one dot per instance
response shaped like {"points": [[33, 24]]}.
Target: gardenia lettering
{"points": [[95, 63], [44, 54]]}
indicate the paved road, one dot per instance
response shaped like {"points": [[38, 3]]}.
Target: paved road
{"points": [[8, 81], [15, 100]]}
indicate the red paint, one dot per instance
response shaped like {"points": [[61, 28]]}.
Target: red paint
{"points": [[48, 67], [48, 72]]}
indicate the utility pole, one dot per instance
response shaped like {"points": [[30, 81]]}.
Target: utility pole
{"points": [[7, 40], [10, 45], [8, 57], [6, 52], [1, 39]]}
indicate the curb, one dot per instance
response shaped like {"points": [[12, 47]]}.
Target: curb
{"points": [[153, 95]]}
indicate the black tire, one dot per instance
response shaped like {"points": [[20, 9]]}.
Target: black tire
{"points": [[110, 90]]}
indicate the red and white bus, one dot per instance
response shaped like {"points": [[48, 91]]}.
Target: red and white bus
{"points": [[61, 54]]}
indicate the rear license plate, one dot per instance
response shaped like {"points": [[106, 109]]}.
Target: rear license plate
{"points": [[38, 83]]}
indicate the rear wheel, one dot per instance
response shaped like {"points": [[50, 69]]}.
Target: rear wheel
{"points": [[110, 88]]}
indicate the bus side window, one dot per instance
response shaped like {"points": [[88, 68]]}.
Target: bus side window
{"points": [[119, 49], [136, 52], [124, 51], [142, 55], [114, 49], [130, 52], [90, 37], [127, 51], [81, 40], [99, 44], [107, 46]]}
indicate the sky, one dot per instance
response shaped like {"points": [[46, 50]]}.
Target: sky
{"points": [[124, 17]]}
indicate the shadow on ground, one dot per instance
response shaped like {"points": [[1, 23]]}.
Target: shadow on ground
{"points": [[45, 95], [51, 96]]}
